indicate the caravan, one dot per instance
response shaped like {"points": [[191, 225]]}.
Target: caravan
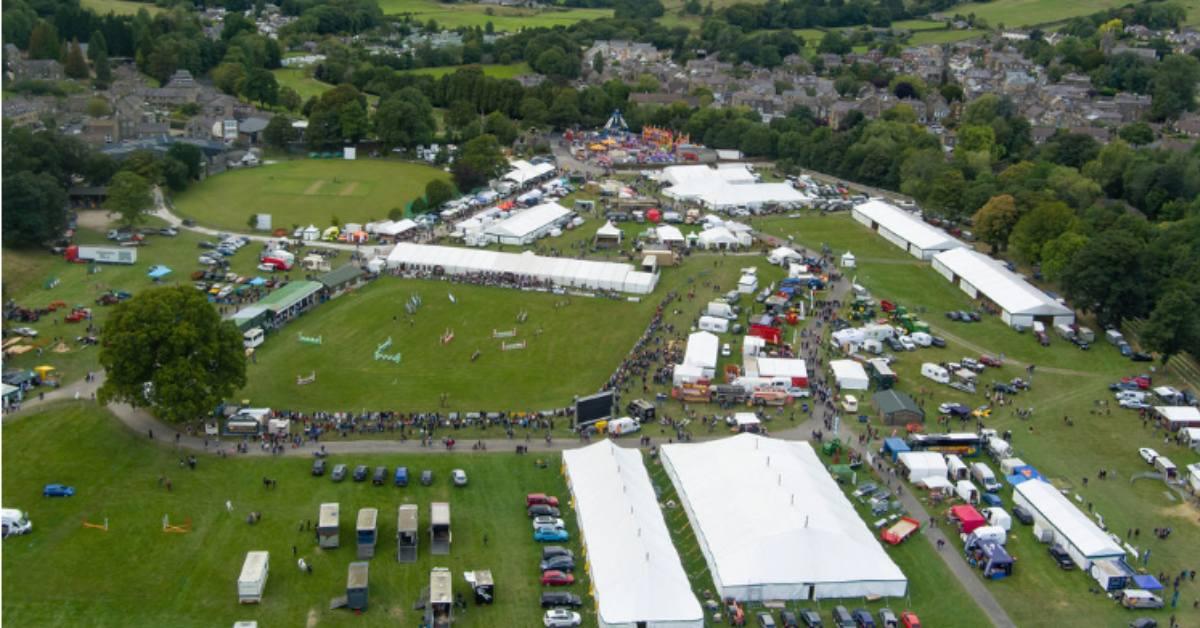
{"points": [[935, 372]]}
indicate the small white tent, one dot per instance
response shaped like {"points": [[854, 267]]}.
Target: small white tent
{"points": [[923, 464], [850, 375]]}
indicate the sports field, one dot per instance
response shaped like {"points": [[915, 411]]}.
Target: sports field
{"points": [[63, 574], [502, 18], [586, 339], [306, 191], [120, 7], [493, 70]]}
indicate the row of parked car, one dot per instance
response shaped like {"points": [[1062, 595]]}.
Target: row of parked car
{"points": [[380, 476], [557, 564], [842, 618]]}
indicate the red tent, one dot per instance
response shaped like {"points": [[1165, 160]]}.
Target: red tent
{"points": [[968, 518], [773, 335], [654, 216]]}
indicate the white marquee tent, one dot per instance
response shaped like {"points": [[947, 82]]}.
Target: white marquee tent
{"points": [[560, 271], [523, 172], [729, 185], [722, 238], [393, 228], [1067, 526], [850, 375], [923, 464], [904, 229], [637, 576], [702, 352], [1020, 302], [1179, 416], [773, 525], [669, 235], [525, 226]]}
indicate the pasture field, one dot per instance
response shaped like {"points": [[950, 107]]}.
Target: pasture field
{"points": [[502, 18], [120, 7], [299, 80], [306, 191], [493, 70], [1019, 13], [136, 575]]}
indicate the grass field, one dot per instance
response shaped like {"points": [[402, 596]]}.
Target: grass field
{"points": [[299, 80], [1017, 13], [493, 70], [1066, 384], [136, 575], [503, 19], [306, 191], [924, 38], [120, 7]]}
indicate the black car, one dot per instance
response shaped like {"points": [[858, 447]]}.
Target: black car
{"points": [[205, 244], [380, 476], [787, 619], [188, 222], [542, 510], [1007, 389], [552, 599], [360, 473], [1143, 622], [842, 618], [318, 467], [863, 618], [937, 341], [550, 551], [561, 563], [1062, 557], [426, 477], [952, 315], [1022, 515], [811, 618], [1138, 356], [894, 344]]}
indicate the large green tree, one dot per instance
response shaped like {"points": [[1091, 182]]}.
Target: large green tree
{"points": [[34, 208], [129, 196], [167, 349], [1038, 226], [1173, 326], [437, 192], [1111, 276], [478, 160], [405, 119], [995, 221]]}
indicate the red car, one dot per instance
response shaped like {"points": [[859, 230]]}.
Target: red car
{"points": [[909, 619], [540, 498], [988, 360], [556, 578], [1143, 381]]}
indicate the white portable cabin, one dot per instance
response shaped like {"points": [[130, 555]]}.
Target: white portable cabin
{"points": [[253, 578], [327, 526], [714, 324], [956, 469], [747, 284], [967, 491]]}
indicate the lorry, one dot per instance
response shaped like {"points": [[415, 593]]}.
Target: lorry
{"points": [[901, 530], [102, 254], [253, 578], [1114, 337]]}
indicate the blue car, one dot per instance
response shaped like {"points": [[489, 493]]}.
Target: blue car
{"points": [[550, 535], [58, 490]]}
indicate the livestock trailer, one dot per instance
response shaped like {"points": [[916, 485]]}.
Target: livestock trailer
{"points": [[367, 532], [253, 578], [439, 528], [406, 534], [327, 526]]}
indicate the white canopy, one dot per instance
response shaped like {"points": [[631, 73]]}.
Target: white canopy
{"points": [[523, 171], [669, 234], [636, 572], [1083, 539], [773, 525], [744, 419], [608, 230], [978, 274], [923, 464], [776, 367], [850, 375], [937, 483], [701, 351], [904, 229], [562, 272], [720, 237]]}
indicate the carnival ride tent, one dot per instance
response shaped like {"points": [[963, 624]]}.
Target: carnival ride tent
{"points": [[701, 352], [850, 375], [637, 575], [1057, 520], [923, 464], [526, 226], [582, 274], [524, 172], [904, 229], [982, 277], [774, 525]]}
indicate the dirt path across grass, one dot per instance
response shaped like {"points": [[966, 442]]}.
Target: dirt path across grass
{"points": [[349, 190]]}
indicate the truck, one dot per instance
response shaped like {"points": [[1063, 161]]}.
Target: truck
{"points": [[1114, 337], [253, 578], [901, 530], [101, 254], [439, 528]]}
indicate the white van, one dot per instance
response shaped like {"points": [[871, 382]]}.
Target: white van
{"points": [[997, 516], [1167, 468], [999, 448], [966, 491], [624, 425], [14, 521], [935, 372], [981, 473], [720, 310], [956, 469], [714, 324]]}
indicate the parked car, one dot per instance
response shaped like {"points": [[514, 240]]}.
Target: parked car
{"points": [[988, 360], [842, 617], [1138, 356], [888, 618], [788, 619], [556, 578], [1002, 387], [865, 489], [1022, 515], [551, 599], [58, 490], [1143, 622], [553, 522], [863, 618], [168, 231], [551, 535], [937, 341], [765, 620], [811, 618], [556, 550], [559, 563], [401, 476], [561, 618], [360, 473], [894, 344], [542, 510], [953, 315], [188, 222], [541, 498], [27, 332], [459, 476], [380, 476], [954, 409], [725, 350], [318, 467], [1062, 557], [1147, 454], [1134, 404], [426, 477], [339, 473], [907, 343], [909, 619]]}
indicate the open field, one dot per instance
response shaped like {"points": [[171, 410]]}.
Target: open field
{"points": [[493, 70], [120, 7], [306, 191], [1066, 384], [503, 19], [1017, 13], [299, 80], [136, 575], [943, 36]]}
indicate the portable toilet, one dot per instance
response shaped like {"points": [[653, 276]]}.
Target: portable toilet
{"points": [[356, 586], [366, 529], [406, 534], [327, 526]]}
